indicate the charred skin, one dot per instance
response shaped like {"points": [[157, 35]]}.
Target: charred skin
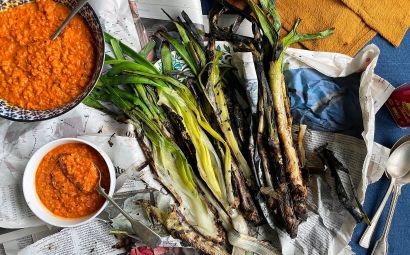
{"points": [[228, 33], [300, 146], [237, 4], [254, 141], [190, 26], [236, 114], [327, 157], [298, 188], [215, 91], [145, 148], [181, 138], [269, 190], [335, 166], [222, 101], [285, 202], [147, 153], [279, 197], [247, 205], [178, 229]]}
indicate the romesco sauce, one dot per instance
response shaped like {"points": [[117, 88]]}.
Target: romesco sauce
{"points": [[35, 72], [59, 193], [81, 171]]}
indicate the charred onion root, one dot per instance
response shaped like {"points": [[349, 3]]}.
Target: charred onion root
{"points": [[289, 154], [175, 224], [247, 206], [280, 198], [336, 167]]}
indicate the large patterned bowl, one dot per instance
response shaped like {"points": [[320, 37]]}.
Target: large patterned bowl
{"points": [[19, 114]]}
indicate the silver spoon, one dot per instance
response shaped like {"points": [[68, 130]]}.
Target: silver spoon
{"points": [[368, 233], [401, 160], [73, 12], [147, 235]]}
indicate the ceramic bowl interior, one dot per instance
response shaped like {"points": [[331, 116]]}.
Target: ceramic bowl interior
{"points": [[32, 198], [19, 114]]}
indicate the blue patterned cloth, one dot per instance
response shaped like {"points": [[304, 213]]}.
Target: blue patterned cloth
{"points": [[325, 103]]}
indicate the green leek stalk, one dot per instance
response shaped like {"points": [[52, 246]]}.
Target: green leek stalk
{"points": [[151, 92], [299, 189], [216, 98], [268, 21], [192, 53], [171, 166]]}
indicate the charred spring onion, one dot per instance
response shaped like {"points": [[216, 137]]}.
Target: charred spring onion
{"points": [[337, 169], [225, 164], [190, 158]]}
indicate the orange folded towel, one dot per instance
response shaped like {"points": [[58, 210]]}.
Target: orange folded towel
{"points": [[355, 21], [390, 18], [351, 33]]}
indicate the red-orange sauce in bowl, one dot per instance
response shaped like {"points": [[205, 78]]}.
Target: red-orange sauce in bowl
{"points": [[35, 72], [57, 191]]}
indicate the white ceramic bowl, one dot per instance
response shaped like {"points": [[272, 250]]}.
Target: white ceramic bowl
{"points": [[33, 200]]}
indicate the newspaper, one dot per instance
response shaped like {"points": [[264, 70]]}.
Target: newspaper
{"points": [[91, 238], [153, 17], [328, 228], [116, 19], [17, 240]]}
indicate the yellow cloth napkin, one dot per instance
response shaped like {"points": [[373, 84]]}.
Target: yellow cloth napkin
{"points": [[356, 22], [351, 33], [390, 18]]}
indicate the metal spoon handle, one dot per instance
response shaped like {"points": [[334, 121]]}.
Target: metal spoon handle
{"points": [[381, 246], [148, 236], [76, 9], [368, 233]]}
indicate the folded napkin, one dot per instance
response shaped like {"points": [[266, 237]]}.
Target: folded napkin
{"points": [[356, 22], [351, 33], [390, 19]]}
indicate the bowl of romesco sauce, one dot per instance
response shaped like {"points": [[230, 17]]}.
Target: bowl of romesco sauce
{"points": [[53, 196], [40, 78]]}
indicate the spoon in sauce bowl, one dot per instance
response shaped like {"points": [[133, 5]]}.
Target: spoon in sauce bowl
{"points": [[73, 12], [90, 181]]}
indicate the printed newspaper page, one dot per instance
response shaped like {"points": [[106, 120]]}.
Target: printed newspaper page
{"points": [[116, 19], [91, 238], [17, 240], [152, 16], [329, 225]]}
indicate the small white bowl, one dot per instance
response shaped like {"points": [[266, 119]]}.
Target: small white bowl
{"points": [[32, 198]]}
